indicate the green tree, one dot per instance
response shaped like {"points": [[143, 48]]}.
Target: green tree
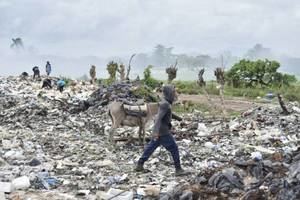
{"points": [[147, 72], [172, 72], [121, 71], [257, 73], [284, 79], [112, 68], [148, 79]]}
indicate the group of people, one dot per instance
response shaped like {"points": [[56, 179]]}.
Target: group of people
{"points": [[36, 70], [47, 83]]}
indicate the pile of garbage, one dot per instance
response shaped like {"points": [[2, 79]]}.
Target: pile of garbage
{"points": [[129, 93], [125, 92], [49, 151]]}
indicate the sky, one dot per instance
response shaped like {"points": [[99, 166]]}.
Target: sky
{"points": [[103, 28]]}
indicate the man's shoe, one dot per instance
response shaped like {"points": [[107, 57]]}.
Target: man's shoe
{"points": [[181, 172], [139, 168]]}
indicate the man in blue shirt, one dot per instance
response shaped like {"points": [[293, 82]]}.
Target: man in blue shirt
{"points": [[60, 85]]}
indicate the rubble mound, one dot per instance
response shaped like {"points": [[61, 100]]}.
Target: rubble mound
{"points": [[49, 151], [124, 92]]}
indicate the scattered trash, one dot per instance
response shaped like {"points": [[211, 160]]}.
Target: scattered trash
{"points": [[115, 194], [2, 196], [6, 187], [253, 156], [44, 181], [34, 162], [21, 183], [83, 192], [256, 156], [111, 180], [226, 180], [270, 96], [149, 190], [105, 163], [209, 145]]}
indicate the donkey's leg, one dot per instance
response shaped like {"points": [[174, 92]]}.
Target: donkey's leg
{"points": [[111, 135], [140, 134], [144, 135], [111, 141]]}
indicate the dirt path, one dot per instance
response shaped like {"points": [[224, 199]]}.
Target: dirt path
{"points": [[231, 104]]}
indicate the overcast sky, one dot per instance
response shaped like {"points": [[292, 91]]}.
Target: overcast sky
{"points": [[119, 27], [76, 28]]}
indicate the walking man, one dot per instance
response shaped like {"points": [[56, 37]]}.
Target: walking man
{"points": [[162, 132]]}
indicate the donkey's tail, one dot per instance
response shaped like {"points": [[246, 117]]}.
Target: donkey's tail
{"points": [[111, 117]]}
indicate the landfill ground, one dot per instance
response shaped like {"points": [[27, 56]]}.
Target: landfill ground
{"points": [[232, 103], [55, 146]]}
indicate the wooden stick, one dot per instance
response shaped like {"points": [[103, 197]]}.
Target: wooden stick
{"points": [[282, 105], [129, 66]]}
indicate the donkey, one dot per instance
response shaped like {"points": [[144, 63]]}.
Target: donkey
{"points": [[120, 118]]}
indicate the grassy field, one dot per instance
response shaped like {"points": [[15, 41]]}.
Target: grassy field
{"points": [[205, 110], [191, 88], [290, 93]]}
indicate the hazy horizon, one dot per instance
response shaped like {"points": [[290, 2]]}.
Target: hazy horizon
{"points": [[75, 35]]}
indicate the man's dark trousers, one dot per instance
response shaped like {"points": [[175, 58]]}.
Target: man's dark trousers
{"points": [[166, 141]]}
